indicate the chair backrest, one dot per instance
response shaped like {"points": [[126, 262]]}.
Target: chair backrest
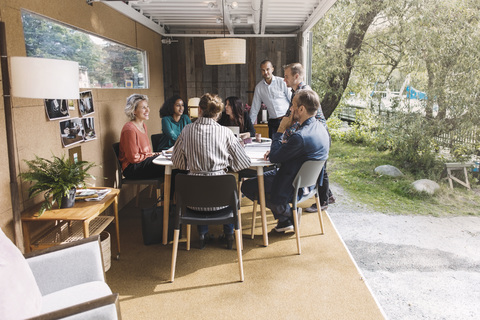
{"points": [[206, 191], [308, 173], [118, 166], [156, 138]]}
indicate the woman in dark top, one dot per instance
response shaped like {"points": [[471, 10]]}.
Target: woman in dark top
{"points": [[235, 115]]}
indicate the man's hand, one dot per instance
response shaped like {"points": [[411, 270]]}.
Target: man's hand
{"points": [[285, 123], [265, 156]]}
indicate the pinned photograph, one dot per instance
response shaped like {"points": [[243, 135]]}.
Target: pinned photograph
{"points": [[89, 128], [56, 109], [71, 131], [85, 104]]}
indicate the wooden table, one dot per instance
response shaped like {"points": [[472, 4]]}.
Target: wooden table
{"points": [[256, 156], [71, 224]]}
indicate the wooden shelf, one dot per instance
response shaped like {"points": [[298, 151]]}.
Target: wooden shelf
{"points": [[69, 231]]}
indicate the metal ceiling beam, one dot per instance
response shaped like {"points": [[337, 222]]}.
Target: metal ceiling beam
{"points": [[263, 23], [317, 14], [257, 9]]}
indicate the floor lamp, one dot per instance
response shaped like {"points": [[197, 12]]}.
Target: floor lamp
{"points": [[31, 78]]}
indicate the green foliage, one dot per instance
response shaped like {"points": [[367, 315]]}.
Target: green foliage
{"points": [[55, 178], [352, 167]]}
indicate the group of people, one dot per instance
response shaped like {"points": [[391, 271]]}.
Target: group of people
{"points": [[208, 147]]}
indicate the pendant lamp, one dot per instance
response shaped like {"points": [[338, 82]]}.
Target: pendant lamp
{"points": [[224, 50]]}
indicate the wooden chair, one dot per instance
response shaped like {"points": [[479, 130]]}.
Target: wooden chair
{"points": [[206, 191], [121, 180]]}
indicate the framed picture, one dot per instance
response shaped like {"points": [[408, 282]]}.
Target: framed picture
{"points": [[85, 104], [56, 109], [71, 131], [89, 128]]}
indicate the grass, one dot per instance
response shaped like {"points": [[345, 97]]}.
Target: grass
{"points": [[352, 167]]}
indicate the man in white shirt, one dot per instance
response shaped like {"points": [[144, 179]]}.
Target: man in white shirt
{"points": [[273, 92]]}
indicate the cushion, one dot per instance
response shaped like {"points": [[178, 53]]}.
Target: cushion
{"points": [[20, 296], [74, 295]]}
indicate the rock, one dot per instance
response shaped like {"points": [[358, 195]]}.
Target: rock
{"points": [[388, 170], [426, 185]]}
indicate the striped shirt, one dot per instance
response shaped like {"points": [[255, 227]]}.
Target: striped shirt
{"points": [[207, 148]]}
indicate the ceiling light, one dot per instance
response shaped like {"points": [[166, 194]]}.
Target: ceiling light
{"points": [[212, 5], [233, 5], [224, 50], [218, 20]]}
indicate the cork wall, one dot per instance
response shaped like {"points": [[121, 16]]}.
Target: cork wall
{"points": [[34, 134]]}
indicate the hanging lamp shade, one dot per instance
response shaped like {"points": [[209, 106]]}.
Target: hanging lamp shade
{"points": [[225, 51]]}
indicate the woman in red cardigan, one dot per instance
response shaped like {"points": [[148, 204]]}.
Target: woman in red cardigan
{"points": [[136, 153]]}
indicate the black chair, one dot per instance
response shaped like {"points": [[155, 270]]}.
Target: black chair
{"points": [[206, 191], [121, 180], [156, 138]]}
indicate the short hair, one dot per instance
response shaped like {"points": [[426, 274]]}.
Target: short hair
{"points": [[132, 103], [266, 61], [211, 105], [296, 68], [309, 99], [167, 108]]}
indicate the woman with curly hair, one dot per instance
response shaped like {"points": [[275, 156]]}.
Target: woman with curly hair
{"points": [[173, 122]]}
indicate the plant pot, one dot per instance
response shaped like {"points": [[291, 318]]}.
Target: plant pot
{"points": [[68, 201]]}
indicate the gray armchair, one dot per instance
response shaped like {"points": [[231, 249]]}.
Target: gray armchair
{"points": [[59, 282]]}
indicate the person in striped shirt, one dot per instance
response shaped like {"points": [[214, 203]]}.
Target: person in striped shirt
{"points": [[207, 148]]}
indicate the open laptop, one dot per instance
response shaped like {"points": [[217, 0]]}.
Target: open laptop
{"points": [[235, 130]]}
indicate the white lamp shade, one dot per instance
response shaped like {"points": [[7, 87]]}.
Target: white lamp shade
{"points": [[193, 112], [40, 78], [225, 51]]}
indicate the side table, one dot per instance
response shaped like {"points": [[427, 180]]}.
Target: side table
{"points": [[71, 224]]}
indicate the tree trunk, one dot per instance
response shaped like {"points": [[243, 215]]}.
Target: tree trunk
{"points": [[338, 82]]}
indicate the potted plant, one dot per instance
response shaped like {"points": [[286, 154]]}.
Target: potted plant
{"points": [[57, 179]]}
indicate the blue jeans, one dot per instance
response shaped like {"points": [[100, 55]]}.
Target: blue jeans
{"points": [[282, 212]]}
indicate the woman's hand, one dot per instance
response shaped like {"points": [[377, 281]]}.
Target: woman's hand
{"points": [[265, 156]]}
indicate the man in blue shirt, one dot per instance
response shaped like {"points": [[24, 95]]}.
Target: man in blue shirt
{"points": [[273, 92], [309, 142]]}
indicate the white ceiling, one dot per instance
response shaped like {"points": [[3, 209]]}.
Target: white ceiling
{"points": [[199, 18]]}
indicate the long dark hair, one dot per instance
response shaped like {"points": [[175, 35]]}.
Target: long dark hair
{"points": [[167, 107], [237, 110]]}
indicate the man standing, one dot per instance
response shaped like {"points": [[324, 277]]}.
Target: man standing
{"points": [[309, 142], [273, 92]]}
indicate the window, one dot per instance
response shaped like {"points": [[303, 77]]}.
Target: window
{"points": [[103, 63]]}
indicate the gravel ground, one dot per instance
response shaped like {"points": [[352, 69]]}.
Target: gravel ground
{"points": [[418, 267]]}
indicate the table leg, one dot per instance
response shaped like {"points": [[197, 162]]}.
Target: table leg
{"points": [[261, 197], [26, 237], [166, 202], [86, 228], [117, 226]]}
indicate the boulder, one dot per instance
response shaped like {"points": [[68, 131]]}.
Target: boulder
{"points": [[426, 185], [388, 170]]}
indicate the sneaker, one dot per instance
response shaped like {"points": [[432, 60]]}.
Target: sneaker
{"points": [[312, 208], [284, 226], [324, 206]]}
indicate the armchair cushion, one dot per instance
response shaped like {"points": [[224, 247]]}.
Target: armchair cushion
{"points": [[74, 295], [20, 296]]}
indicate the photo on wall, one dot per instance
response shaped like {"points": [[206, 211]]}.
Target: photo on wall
{"points": [[85, 104], [71, 131], [56, 109], [89, 128]]}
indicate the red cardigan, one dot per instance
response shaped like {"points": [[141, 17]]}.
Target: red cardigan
{"points": [[134, 145]]}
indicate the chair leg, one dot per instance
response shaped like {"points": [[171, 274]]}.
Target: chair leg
{"points": [[319, 210], [151, 190], [254, 217], [240, 227], [238, 235], [189, 232], [176, 234], [297, 230], [159, 193]]}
